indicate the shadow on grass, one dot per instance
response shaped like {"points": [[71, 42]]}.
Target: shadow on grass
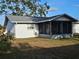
{"points": [[25, 51]]}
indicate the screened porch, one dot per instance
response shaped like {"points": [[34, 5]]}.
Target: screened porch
{"points": [[55, 27]]}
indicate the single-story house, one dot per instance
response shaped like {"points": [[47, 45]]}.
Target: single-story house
{"points": [[53, 27]]}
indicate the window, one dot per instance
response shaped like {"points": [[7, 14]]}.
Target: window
{"points": [[30, 26]]}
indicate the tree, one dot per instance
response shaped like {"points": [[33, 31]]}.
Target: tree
{"points": [[21, 7], [5, 40], [2, 29]]}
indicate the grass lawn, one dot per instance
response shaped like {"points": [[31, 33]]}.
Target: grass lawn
{"points": [[43, 48]]}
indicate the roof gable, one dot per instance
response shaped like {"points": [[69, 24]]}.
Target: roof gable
{"points": [[65, 17]]}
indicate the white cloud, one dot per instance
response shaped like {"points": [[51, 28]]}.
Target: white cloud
{"points": [[53, 9], [77, 5]]}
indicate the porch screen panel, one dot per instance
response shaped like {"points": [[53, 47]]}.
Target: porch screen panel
{"points": [[67, 27], [56, 28], [40, 28], [47, 28]]}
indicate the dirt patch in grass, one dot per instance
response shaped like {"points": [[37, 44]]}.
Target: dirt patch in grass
{"points": [[43, 48]]}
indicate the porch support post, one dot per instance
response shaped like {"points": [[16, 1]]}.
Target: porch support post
{"points": [[16, 23], [50, 28], [57, 28], [72, 28]]}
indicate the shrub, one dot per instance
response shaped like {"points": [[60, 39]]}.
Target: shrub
{"points": [[5, 42], [76, 35]]}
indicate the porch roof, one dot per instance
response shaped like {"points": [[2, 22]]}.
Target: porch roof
{"points": [[55, 18]]}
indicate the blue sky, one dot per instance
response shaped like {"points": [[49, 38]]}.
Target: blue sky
{"points": [[70, 7]]}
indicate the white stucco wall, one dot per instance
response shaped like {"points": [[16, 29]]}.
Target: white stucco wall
{"points": [[25, 30], [75, 28], [10, 27]]}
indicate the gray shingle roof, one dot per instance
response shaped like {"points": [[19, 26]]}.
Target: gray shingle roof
{"points": [[20, 18]]}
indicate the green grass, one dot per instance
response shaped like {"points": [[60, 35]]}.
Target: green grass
{"points": [[43, 48]]}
